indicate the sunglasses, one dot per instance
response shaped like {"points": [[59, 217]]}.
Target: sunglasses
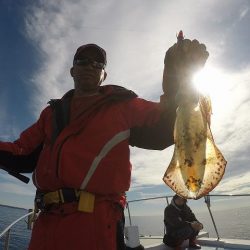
{"points": [[88, 61]]}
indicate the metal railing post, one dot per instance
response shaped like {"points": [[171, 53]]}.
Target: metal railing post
{"points": [[130, 223], [167, 200], [207, 201], [7, 240]]}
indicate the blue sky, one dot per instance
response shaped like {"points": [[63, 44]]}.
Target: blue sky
{"points": [[39, 39]]}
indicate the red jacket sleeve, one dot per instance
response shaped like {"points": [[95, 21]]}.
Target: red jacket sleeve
{"points": [[140, 112], [30, 138], [151, 125]]}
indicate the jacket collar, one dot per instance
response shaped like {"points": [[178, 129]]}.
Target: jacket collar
{"points": [[176, 206], [115, 92]]}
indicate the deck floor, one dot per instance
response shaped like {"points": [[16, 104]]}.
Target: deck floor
{"points": [[155, 243]]}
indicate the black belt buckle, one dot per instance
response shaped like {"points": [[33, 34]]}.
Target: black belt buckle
{"points": [[69, 195], [39, 200]]}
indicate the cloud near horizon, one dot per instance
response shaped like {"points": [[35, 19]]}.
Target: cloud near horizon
{"points": [[8, 127], [8, 185]]}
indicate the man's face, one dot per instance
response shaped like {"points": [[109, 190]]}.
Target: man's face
{"points": [[86, 72], [180, 201]]}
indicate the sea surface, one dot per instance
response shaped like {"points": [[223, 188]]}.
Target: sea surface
{"points": [[231, 223], [19, 235]]}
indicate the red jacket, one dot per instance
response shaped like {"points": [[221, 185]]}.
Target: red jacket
{"points": [[98, 141]]}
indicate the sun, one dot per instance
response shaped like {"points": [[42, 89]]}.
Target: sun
{"points": [[210, 81], [215, 83]]}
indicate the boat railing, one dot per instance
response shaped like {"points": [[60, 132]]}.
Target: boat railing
{"points": [[206, 199], [6, 232]]}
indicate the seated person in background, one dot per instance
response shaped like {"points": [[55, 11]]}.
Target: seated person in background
{"points": [[181, 224]]}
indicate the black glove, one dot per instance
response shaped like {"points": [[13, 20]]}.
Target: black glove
{"points": [[181, 61]]}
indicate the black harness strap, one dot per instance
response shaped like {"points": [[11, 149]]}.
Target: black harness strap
{"points": [[60, 117]]}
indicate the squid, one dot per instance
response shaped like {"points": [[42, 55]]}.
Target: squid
{"points": [[197, 165]]}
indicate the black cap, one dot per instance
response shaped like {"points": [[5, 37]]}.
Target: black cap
{"points": [[100, 52], [177, 196]]}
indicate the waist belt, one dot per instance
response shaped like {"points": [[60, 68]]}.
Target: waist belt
{"points": [[86, 200]]}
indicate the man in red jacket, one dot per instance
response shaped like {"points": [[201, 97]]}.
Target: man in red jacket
{"points": [[83, 169]]}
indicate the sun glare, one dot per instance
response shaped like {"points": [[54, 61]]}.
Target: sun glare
{"points": [[213, 82], [210, 81]]}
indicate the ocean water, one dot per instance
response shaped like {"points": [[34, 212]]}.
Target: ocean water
{"points": [[19, 235], [231, 223]]}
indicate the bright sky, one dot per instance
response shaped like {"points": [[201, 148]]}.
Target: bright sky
{"points": [[39, 39]]}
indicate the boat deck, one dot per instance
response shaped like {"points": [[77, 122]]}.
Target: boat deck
{"points": [[155, 243]]}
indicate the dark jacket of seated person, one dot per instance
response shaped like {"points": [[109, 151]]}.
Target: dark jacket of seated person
{"points": [[181, 223]]}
